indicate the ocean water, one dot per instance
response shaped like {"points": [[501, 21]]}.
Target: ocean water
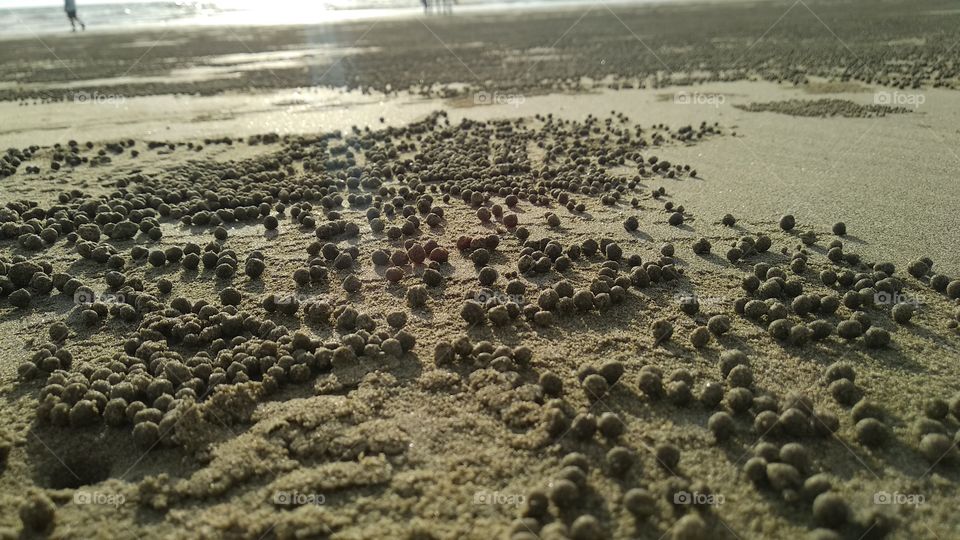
{"points": [[19, 18]]}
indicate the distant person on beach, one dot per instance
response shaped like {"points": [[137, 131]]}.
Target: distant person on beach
{"points": [[70, 6]]}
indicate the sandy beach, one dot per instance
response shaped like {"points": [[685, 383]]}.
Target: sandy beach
{"points": [[605, 271]]}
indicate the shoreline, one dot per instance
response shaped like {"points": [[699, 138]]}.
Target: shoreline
{"points": [[497, 52], [355, 16]]}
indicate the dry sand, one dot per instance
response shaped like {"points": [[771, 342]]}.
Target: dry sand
{"points": [[403, 447]]}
